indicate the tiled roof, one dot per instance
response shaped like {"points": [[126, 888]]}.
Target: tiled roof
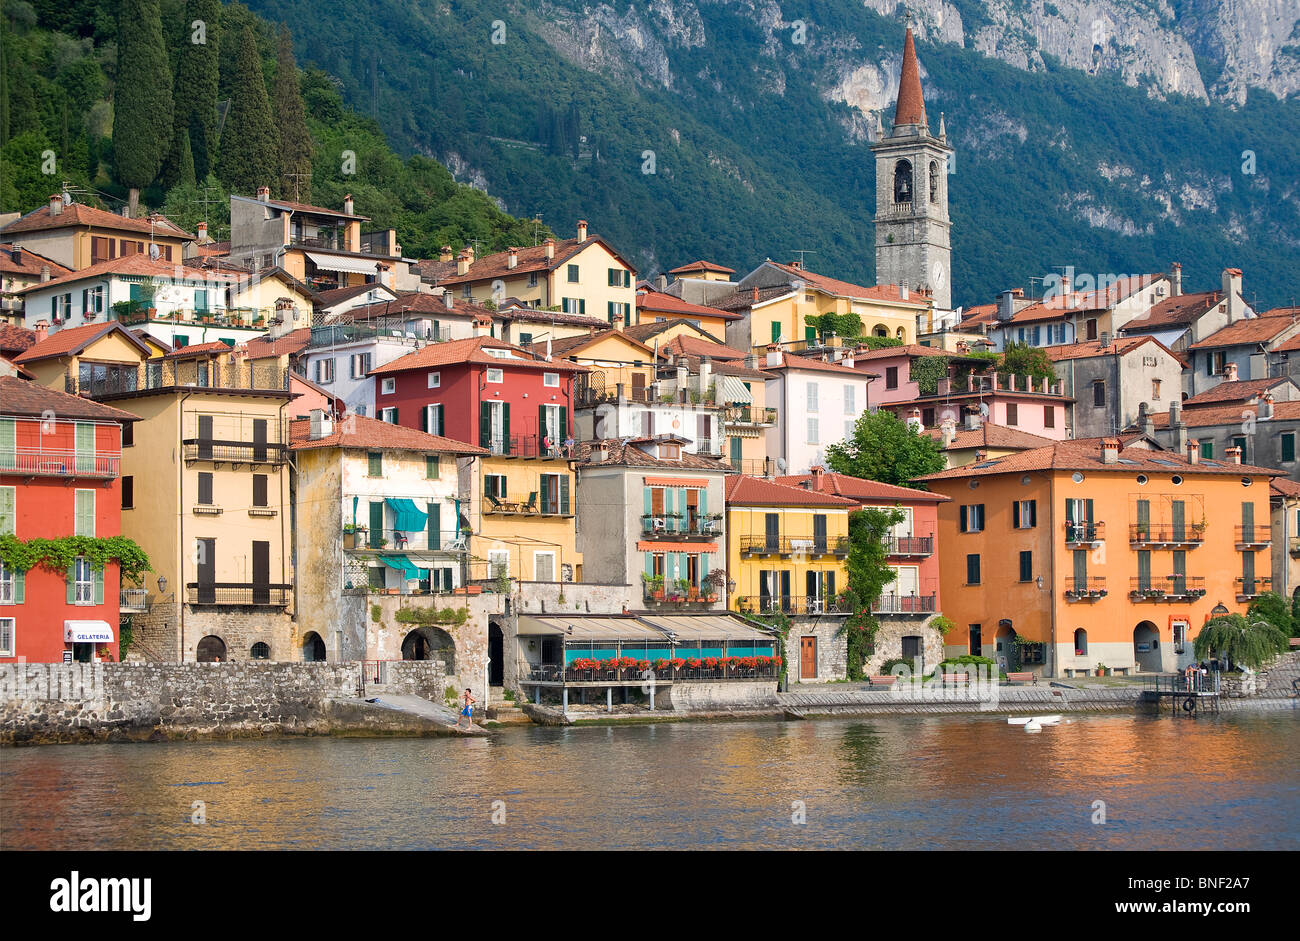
{"points": [[497, 265], [672, 304], [538, 315], [683, 345], [77, 214], [1063, 305], [565, 346], [1285, 487], [199, 349], [137, 264], [306, 207], [72, 340], [877, 292], [1251, 330], [626, 452], [743, 490], [292, 343], [977, 316], [1071, 456], [911, 106], [989, 435], [646, 332], [1090, 348], [470, 350], [812, 365], [744, 300], [370, 433], [20, 397], [29, 262], [1282, 312], [1208, 416], [339, 295], [1178, 311], [15, 339], [908, 349], [702, 266], [864, 491], [1239, 391]]}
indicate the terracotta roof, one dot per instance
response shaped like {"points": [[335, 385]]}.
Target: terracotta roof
{"points": [[1179, 311], [372, 434], [29, 262], [989, 435], [645, 332], [672, 304], [431, 269], [77, 214], [978, 315], [698, 346], [137, 264], [743, 490], [726, 367], [15, 339], [908, 349], [1061, 306], [812, 365], [1209, 416], [292, 343], [623, 451], [455, 352], [911, 105], [702, 266], [497, 265], [20, 397], [1070, 455], [877, 292], [1282, 312], [1289, 346], [1283, 486], [338, 295], [565, 346], [72, 340], [305, 207], [199, 349], [864, 491], [1117, 345], [1239, 391], [744, 300], [1252, 330], [539, 315]]}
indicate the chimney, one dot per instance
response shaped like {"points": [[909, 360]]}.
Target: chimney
{"points": [[1175, 280], [56, 204], [1230, 370], [948, 432], [203, 232], [1006, 305], [321, 425], [447, 299], [972, 417], [45, 273], [706, 375], [817, 473], [582, 230], [1175, 413], [797, 264], [264, 193], [16, 255], [1193, 451], [756, 293], [512, 257], [1233, 455], [774, 358], [661, 283], [1105, 340], [1110, 450], [549, 246], [914, 420], [1232, 294], [444, 253], [349, 205], [599, 453], [1146, 421], [682, 372], [1266, 406], [42, 330], [1177, 425], [980, 455], [463, 262], [903, 292]]}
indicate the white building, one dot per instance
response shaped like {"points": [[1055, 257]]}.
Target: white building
{"points": [[816, 404]]}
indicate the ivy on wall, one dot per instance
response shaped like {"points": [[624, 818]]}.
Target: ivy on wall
{"points": [[60, 554], [926, 371]]}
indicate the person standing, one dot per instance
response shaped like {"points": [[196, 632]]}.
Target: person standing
{"points": [[467, 709]]}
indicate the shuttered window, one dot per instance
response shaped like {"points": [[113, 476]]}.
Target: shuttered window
{"points": [[8, 510], [375, 462], [128, 493], [259, 490], [973, 569], [85, 511], [205, 488]]}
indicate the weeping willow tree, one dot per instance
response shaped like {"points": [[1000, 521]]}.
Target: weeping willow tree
{"points": [[1245, 643]]}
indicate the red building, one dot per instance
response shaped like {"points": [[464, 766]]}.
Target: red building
{"points": [[60, 463], [482, 391]]}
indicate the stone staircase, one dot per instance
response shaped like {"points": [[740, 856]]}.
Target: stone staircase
{"points": [[500, 709]]}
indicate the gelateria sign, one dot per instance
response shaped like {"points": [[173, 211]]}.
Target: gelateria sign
{"points": [[87, 632]]}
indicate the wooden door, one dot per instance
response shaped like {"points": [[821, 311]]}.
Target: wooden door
{"points": [[807, 658], [261, 572], [205, 437], [207, 570], [259, 440]]}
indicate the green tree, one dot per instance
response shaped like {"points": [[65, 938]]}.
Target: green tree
{"points": [[142, 123], [1021, 359], [248, 142], [884, 448], [197, 74], [291, 125], [1243, 641], [868, 574], [1273, 609]]}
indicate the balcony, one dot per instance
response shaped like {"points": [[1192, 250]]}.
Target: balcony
{"points": [[1086, 533], [1168, 588], [996, 382], [1250, 588], [133, 601], [903, 605], [799, 605], [1165, 536], [1085, 589], [58, 462], [234, 452], [361, 539], [674, 526], [909, 546], [527, 446], [787, 547], [1254, 537], [338, 334], [161, 374], [246, 594], [749, 417], [495, 506]]}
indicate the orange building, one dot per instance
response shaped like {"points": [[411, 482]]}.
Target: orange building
{"points": [[1081, 554]]}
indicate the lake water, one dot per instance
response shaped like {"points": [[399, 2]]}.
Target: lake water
{"points": [[903, 782]]}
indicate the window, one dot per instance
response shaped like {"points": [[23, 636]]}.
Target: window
{"points": [[813, 431], [975, 640], [1092, 329], [498, 562], [619, 278], [389, 415], [776, 331], [11, 582], [7, 636], [532, 279], [1024, 514], [972, 518], [388, 386], [973, 569], [260, 490], [551, 380], [92, 300], [432, 466], [1099, 393], [85, 508], [128, 434], [128, 493], [8, 510], [1207, 449], [375, 460], [623, 312], [494, 485], [259, 651], [525, 339], [574, 305], [1288, 445], [1218, 362], [1239, 441], [431, 420], [1049, 416], [850, 400], [891, 377], [1155, 390], [1080, 643], [1027, 566], [83, 581], [812, 396], [435, 380], [573, 274], [324, 371], [205, 488], [496, 375], [849, 425], [1013, 413]]}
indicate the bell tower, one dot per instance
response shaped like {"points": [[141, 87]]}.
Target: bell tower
{"points": [[912, 246]]}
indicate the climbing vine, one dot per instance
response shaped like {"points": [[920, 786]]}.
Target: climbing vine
{"points": [[429, 616], [926, 371], [60, 554]]}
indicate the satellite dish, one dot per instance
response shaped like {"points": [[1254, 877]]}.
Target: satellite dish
{"points": [[153, 251], [949, 415], [984, 410]]}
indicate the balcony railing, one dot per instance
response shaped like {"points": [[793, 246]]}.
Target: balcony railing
{"points": [[133, 600], [785, 546], [238, 593], [339, 334], [905, 604], [400, 540], [252, 375], [914, 546], [234, 452], [1085, 589], [732, 669], [527, 446], [1084, 533], [749, 415], [677, 526], [530, 507], [57, 462], [1248, 588], [1166, 588], [1254, 537], [790, 604], [1164, 534]]}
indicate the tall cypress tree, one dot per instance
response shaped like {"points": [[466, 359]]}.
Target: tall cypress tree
{"points": [[248, 141], [197, 72], [291, 121], [142, 101]]}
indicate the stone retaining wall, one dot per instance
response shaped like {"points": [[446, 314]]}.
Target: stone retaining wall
{"points": [[733, 694]]}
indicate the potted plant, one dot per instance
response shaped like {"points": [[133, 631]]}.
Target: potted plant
{"points": [[1101, 669], [349, 536]]}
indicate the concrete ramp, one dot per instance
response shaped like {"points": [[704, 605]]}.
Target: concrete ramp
{"points": [[421, 709]]}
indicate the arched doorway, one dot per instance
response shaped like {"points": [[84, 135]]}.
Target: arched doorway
{"points": [[1005, 649], [212, 649], [260, 651], [1146, 647], [430, 643], [496, 655], [313, 648]]}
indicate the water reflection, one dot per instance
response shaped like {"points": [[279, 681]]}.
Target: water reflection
{"points": [[889, 782]]}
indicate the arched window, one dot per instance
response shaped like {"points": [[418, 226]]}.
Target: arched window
{"points": [[902, 182], [880, 330], [259, 651], [1080, 643], [900, 333], [934, 181]]}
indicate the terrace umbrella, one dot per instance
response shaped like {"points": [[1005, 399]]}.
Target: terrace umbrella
{"points": [[354, 512]]}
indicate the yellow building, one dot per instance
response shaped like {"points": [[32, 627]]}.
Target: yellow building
{"points": [[656, 306], [205, 488], [615, 360], [77, 236]]}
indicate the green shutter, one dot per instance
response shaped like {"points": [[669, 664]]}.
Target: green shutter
{"points": [[564, 425], [649, 563], [505, 427], [1144, 569], [9, 510], [1288, 447], [98, 577], [85, 438], [8, 443], [564, 494], [541, 426], [72, 583], [375, 464], [648, 504], [424, 419], [704, 569], [1080, 568], [484, 424], [435, 525], [376, 523], [704, 501], [546, 492], [85, 513], [20, 586]]}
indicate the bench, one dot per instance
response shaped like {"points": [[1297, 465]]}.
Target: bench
{"points": [[954, 678], [1021, 678], [883, 680]]}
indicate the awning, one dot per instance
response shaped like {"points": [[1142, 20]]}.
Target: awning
{"points": [[648, 545], [588, 628], [402, 564], [342, 263], [410, 519], [87, 632], [706, 627], [676, 482]]}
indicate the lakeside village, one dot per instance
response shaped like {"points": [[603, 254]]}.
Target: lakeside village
{"points": [[544, 475]]}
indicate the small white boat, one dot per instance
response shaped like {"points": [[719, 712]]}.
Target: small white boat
{"points": [[1032, 726], [1041, 720]]}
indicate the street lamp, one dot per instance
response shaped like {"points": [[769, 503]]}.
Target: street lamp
{"points": [[162, 584]]}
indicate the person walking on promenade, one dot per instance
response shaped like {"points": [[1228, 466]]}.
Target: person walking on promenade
{"points": [[467, 709]]}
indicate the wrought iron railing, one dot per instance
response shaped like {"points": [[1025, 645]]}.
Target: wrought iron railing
{"points": [[676, 525], [909, 545], [133, 600], [1252, 587], [1166, 587], [904, 603], [1085, 531], [748, 415], [1089, 587], [1165, 534], [790, 604], [783, 545], [166, 373], [59, 462], [1257, 535], [238, 593]]}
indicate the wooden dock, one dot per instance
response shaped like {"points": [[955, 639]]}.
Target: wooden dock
{"points": [[1186, 696]]}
